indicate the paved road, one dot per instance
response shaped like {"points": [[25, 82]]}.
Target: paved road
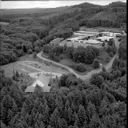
{"points": [[89, 74]]}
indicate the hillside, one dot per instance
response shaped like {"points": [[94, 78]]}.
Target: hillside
{"points": [[98, 101], [30, 29], [114, 12]]}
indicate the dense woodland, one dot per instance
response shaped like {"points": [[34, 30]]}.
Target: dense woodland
{"points": [[71, 103], [29, 30]]}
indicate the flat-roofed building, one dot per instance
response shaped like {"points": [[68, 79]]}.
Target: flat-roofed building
{"points": [[104, 38]]}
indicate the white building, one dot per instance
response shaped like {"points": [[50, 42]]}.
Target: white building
{"points": [[104, 38]]}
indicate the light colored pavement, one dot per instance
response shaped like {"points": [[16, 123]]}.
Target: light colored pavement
{"points": [[89, 74]]}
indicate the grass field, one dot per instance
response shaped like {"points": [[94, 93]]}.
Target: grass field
{"points": [[10, 68], [103, 58], [70, 63]]}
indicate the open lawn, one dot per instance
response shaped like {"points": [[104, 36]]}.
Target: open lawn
{"points": [[10, 68], [70, 63], [103, 57], [23, 67]]}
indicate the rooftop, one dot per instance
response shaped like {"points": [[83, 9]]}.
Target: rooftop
{"points": [[42, 81]]}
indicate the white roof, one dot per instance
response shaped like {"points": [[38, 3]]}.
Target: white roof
{"points": [[90, 32], [103, 38]]}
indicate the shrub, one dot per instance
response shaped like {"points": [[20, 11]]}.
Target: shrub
{"points": [[96, 64], [34, 55], [96, 80], [79, 67]]}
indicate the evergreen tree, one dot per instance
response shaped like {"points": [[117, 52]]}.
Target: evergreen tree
{"points": [[27, 106], [96, 80], [8, 109], [15, 120], [49, 126], [90, 111], [2, 125], [62, 123], [81, 117], [95, 122], [96, 64], [54, 119], [39, 124]]}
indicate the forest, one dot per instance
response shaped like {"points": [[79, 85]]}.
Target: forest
{"points": [[28, 32], [71, 103]]}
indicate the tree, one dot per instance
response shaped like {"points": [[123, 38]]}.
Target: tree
{"points": [[75, 126], [96, 80], [81, 116], [95, 122], [15, 75], [39, 124], [54, 119], [96, 64], [62, 81], [103, 69], [34, 55], [3, 125], [27, 106], [49, 126], [91, 110], [69, 114], [8, 109], [62, 123], [111, 42]]}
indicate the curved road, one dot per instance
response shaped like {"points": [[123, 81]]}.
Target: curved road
{"points": [[89, 74]]}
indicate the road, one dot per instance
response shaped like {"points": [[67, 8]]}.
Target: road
{"points": [[89, 74]]}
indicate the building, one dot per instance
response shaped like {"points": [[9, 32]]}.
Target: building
{"points": [[43, 81], [111, 34], [104, 38]]}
